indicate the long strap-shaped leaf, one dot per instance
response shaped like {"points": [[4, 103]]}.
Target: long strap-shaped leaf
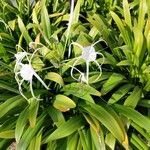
{"points": [[30, 133], [10, 104], [24, 30], [134, 115], [66, 129], [123, 30], [110, 120], [127, 13]]}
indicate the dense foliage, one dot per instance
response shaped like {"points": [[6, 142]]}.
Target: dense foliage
{"points": [[110, 112]]}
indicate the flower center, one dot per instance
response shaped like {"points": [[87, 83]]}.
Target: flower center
{"points": [[89, 54], [26, 72]]}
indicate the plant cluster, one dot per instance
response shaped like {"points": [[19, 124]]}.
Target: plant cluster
{"points": [[74, 74]]}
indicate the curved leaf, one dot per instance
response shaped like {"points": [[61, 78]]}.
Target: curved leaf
{"points": [[66, 129], [134, 98], [122, 29], [107, 120], [30, 133], [55, 77], [63, 103], [134, 115], [10, 104], [33, 110], [21, 123], [80, 89], [24, 30], [8, 134], [112, 82]]}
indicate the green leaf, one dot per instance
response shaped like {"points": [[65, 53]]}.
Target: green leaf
{"points": [[12, 24], [138, 142], [134, 115], [141, 131], [122, 91], [30, 133], [144, 103], [3, 53], [112, 82], [142, 11], [66, 129], [56, 116], [148, 7], [138, 46], [107, 120], [33, 111], [127, 15], [134, 98], [123, 30], [24, 31], [37, 63], [104, 76], [9, 134], [6, 86], [82, 91], [98, 138], [124, 63], [68, 64], [84, 139], [55, 77], [148, 41], [6, 125], [110, 141], [45, 22], [102, 26], [93, 122], [36, 142], [11, 103], [52, 145], [72, 141], [63, 103], [20, 124]]}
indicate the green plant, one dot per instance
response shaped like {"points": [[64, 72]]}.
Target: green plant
{"points": [[108, 112]]}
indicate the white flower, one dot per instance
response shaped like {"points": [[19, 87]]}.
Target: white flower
{"points": [[26, 72], [88, 55]]}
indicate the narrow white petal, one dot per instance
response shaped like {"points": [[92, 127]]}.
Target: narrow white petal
{"points": [[73, 67], [100, 70], [100, 40], [102, 57], [20, 89], [37, 76], [74, 43], [31, 89]]}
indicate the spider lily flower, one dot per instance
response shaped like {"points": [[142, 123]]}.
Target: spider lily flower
{"points": [[26, 72], [88, 55]]}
